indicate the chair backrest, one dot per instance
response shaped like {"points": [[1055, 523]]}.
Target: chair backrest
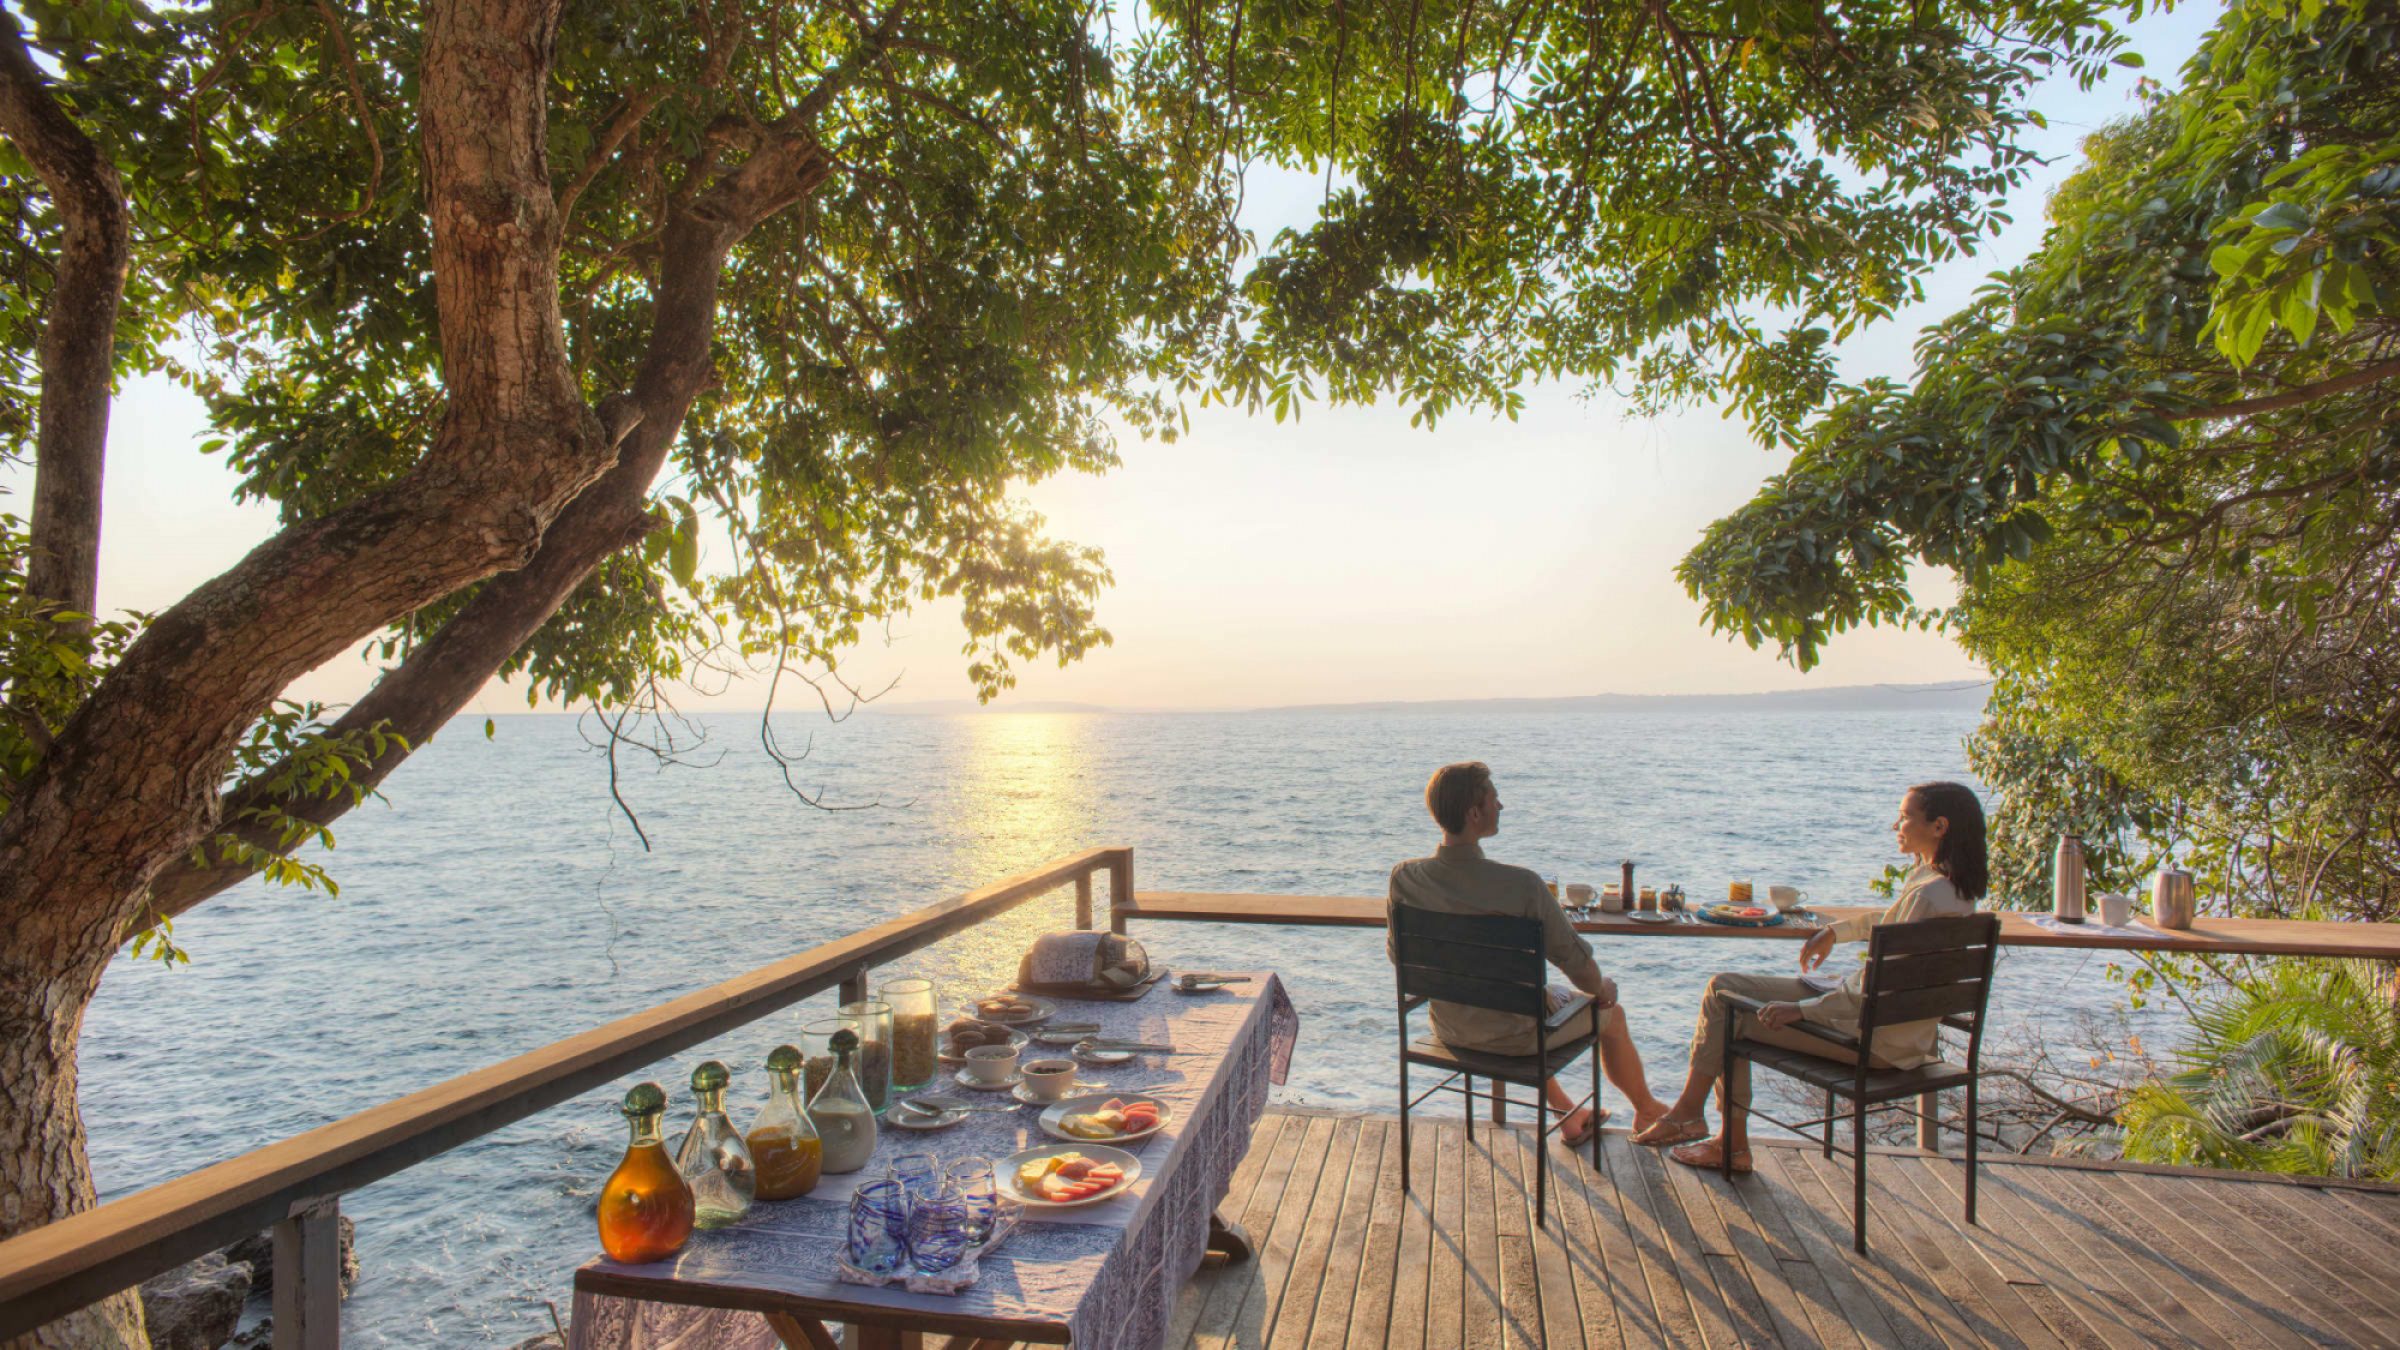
{"points": [[1931, 969], [1480, 960]]}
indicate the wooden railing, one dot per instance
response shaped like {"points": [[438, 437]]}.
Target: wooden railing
{"points": [[295, 1185]]}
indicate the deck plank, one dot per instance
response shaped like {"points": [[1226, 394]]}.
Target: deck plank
{"points": [[1640, 1253], [1304, 1287]]}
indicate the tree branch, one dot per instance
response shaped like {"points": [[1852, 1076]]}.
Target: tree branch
{"points": [[79, 333], [2292, 398]]}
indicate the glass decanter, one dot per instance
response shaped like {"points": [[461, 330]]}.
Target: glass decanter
{"points": [[783, 1142], [713, 1159], [645, 1209], [840, 1111]]}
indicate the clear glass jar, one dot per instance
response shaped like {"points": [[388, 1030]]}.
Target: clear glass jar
{"points": [[645, 1208], [872, 1020], [916, 1032], [714, 1161], [783, 1141], [843, 1119], [816, 1046]]}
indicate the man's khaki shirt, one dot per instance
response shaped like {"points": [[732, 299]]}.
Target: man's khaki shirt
{"points": [[1458, 879]]}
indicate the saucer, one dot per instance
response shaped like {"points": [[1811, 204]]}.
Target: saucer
{"points": [[1650, 916], [901, 1118], [1020, 1093], [979, 1085]]}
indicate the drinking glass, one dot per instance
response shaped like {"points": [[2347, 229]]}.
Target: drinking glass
{"points": [[919, 1174], [916, 1032], [937, 1231], [972, 1178], [816, 1048], [872, 1020], [879, 1227]]}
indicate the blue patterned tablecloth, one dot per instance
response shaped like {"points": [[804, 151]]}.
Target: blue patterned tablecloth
{"points": [[1108, 1273]]}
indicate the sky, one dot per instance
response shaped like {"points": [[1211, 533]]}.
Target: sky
{"points": [[1344, 557]]}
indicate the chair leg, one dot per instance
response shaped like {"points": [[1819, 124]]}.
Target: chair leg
{"points": [[1725, 1088], [1470, 1107], [1829, 1123], [1541, 1153], [1595, 1095], [1970, 1153], [1404, 1112], [1858, 1175]]}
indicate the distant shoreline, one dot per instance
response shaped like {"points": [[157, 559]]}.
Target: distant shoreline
{"points": [[1953, 695]]}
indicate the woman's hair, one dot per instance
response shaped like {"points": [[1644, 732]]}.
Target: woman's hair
{"points": [[1960, 856], [1454, 790]]}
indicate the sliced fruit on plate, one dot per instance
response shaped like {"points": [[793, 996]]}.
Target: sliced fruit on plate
{"points": [[1078, 1169]]}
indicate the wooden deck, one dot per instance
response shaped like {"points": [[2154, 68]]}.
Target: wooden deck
{"points": [[1645, 1252]]}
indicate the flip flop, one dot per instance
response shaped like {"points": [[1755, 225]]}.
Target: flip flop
{"points": [[1705, 1156], [1672, 1131]]}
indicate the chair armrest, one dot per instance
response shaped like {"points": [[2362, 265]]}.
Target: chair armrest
{"points": [[1959, 1022], [1744, 1003], [1411, 1004], [1568, 1011]]}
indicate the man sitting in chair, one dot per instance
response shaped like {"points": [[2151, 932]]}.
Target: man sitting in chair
{"points": [[1458, 879]]}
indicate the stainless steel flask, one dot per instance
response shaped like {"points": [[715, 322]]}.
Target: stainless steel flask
{"points": [[2066, 895]]}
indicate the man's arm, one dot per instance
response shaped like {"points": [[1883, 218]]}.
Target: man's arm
{"points": [[1566, 948]]}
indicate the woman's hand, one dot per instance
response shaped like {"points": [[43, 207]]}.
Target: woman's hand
{"points": [[1779, 1014], [1814, 951]]}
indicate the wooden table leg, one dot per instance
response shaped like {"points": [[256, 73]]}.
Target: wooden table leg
{"points": [[801, 1333], [885, 1338], [1226, 1236]]}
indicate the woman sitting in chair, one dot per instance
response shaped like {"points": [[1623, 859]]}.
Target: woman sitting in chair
{"points": [[1941, 826]]}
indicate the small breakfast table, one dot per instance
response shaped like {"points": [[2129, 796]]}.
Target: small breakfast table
{"points": [[1103, 1275]]}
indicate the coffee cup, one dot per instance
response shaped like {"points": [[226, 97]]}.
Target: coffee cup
{"points": [[1581, 896], [1785, 897], [2116, 910], [1049, 1080], [991, 1063]]}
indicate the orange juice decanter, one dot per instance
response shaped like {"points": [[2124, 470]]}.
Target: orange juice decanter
{"points": [[783, 1143], [645, 1209]]}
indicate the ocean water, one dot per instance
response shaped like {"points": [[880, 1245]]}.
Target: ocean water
{"points": [[498, 902]]}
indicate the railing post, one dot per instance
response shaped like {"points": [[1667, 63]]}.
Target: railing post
{"points": [[853, 988], [1083, 900], [1120, 888], [308, 1276], [1929, 1122]]}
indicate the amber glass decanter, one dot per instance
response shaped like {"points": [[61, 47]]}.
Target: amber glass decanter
{"points": [[782, 1141], [713, 1160], [645, 1209]]}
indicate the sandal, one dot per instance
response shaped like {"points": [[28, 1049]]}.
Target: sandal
{"points": [[1708, 1155], [1673, 1131]]}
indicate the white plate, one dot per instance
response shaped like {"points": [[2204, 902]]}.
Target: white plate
{"points": [[1016, 1040], [1043, 1011], [1650, 916], [979, 1085], [903, 1118], [1005, 1171], [1048, 1036], [1054, 1120]]}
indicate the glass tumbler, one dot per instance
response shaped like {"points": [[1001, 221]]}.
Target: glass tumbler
{"points": [[937, 1231], [916, 1032], [879, 1227], [972, 1178], [919, 1174], [872, 1020], [816, 1047]]}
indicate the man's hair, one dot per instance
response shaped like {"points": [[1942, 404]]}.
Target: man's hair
{"points": [[1454, 790]]}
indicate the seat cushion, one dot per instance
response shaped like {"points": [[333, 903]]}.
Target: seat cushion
{"points": [[1882, 1084], [1525, 1069]]}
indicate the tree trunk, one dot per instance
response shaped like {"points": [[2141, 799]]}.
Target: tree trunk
{"points": [[44, 1174], [79, 329]]}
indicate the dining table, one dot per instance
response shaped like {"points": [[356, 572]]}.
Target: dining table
{"points": [[1103, 1275]]}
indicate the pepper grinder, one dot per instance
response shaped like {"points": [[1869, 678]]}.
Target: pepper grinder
{"points": [[2066, 897], [1626, 869]]}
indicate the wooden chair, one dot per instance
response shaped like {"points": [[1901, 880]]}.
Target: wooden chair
{"points": [[1933, 969], [1494, 962]]}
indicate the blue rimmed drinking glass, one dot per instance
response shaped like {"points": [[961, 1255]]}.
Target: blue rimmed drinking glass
{"points": [[937, 1231], [879, 1227], [920, 1174], [973, 1180]]}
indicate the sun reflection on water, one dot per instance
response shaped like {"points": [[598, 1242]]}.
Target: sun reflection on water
{"points": [[1022, 793]]}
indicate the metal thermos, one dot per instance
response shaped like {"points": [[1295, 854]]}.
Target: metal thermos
{"points": [[2172, 899], [2066, 897]]}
